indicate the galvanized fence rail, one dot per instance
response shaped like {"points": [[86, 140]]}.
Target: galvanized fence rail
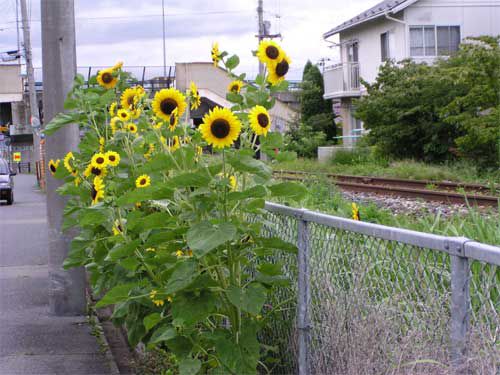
{"points": [[377, 299]]}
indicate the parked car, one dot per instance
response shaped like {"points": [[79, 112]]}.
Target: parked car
{"points": [[6, 182]]}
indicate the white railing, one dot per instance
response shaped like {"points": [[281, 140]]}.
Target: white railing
{"points": [[342, 80]]}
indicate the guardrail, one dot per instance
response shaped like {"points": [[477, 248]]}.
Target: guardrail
{"points": [[378, 299]]}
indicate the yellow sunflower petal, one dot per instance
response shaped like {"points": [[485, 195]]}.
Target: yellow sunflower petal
{"points": [[278, 71], [106, 79], [143, 181], [166, 100], [269, 52], [260, 121]]}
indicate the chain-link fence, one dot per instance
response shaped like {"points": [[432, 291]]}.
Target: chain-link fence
{"points": [[370, 299]]}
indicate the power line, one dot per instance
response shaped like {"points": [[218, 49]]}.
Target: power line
{"points": [[150, 15]]}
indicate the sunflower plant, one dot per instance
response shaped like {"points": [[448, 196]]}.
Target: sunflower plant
{"points": [[170, 233]]}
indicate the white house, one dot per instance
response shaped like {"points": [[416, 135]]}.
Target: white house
{"points": [[422, 30]]}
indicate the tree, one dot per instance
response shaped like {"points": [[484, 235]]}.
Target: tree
{"points": [[445, 111]]}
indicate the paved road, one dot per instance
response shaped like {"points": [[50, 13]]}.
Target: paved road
{"points": [[32, 341]]}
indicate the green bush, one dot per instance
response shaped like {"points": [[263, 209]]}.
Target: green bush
{"points": [[442, 112]]}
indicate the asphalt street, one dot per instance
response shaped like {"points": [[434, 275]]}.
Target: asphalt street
{"points": [[31, 340]]}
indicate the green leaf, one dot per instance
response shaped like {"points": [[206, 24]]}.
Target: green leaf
{"points": [[189, 180], [122, 250], [257, 191], [162, 333], [77, 255], [91, 216], [232, 62], [245, 163], [152, 221], [117, 294], [189, 366], [130, 264], [234, 97], [192, 309], [60, 120], [271, 142], [143, 194], [276, 243], [184, 273], [259, 79], [205, 236], [250, 299], [288, 190], [151, 320], [159, 162]]}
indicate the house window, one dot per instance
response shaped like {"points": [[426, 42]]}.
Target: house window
{"points": [[384, 46], [434, 40]]}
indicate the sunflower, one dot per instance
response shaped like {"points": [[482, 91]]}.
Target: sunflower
{"points": [[131, 127], [106, 79], [215, 54], [135, 113], [150, 151], [220, 127], [67, 162], [113, 125], [112, 158], [235, 86], [117, 227], [95, 171], [123, 115], [176, 144], [102, 142], [112, 109], [260, 121], [157, 124], [355, 211], [53, 165], [127, 100], [118, 65], [98, 160], [166, 100], [269, 52], [277, 72], [232, 182], [194, 96], [143, 181], [173, 121], [77, 181], [97, 190]]}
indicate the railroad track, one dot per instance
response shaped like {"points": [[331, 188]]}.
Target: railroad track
{"points": [[441, 191]]}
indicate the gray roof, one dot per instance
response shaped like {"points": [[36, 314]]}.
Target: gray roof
{"points": [[386, 6]]}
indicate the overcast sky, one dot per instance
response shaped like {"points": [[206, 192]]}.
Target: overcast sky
{"points": [[131, 30]]}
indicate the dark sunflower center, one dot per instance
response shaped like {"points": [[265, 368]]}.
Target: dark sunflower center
{"points": [[96, 171], [119, 227], [263, 120], [52, 168], [130, 100], [272, 52], [234, 88], [282, 68], [220, 128], [172, 120], [99, 160], [111, 157], [168, 105], [123, 114], [143, 181], [107, 77], [93, 193]]}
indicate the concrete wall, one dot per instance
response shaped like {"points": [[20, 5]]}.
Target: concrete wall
{"points": [[11, 83], [212, 83]]}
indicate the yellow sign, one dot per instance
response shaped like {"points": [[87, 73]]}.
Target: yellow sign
{"points": [[16, 156], [4, 128]]}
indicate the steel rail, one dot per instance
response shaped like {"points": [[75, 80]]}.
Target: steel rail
{"points": [[402, 191]]}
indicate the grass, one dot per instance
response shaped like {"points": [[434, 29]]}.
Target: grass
{"points": [[363, 163]]}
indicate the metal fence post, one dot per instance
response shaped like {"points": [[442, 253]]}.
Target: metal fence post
{"points": [[304, 297], [460, 307]]}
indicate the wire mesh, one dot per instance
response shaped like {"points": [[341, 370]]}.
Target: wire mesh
{"points": [[484, 337], [379, 306]]}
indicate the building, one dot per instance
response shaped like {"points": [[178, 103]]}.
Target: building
{"points": [[16, 134], [422, 30]]}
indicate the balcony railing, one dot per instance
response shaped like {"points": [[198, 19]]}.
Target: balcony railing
{"points": [[342, 80]]}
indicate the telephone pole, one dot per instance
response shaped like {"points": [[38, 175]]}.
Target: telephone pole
{"points": [[34, 114], [66, 288], [163, 28], [263, 30]]}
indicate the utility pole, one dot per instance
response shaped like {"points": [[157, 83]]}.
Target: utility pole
{"points": [[263, 30], [66, 288], [164, 49], [34, 114]]}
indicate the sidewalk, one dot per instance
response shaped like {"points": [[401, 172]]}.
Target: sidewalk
{"points": [[31, 340]]}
